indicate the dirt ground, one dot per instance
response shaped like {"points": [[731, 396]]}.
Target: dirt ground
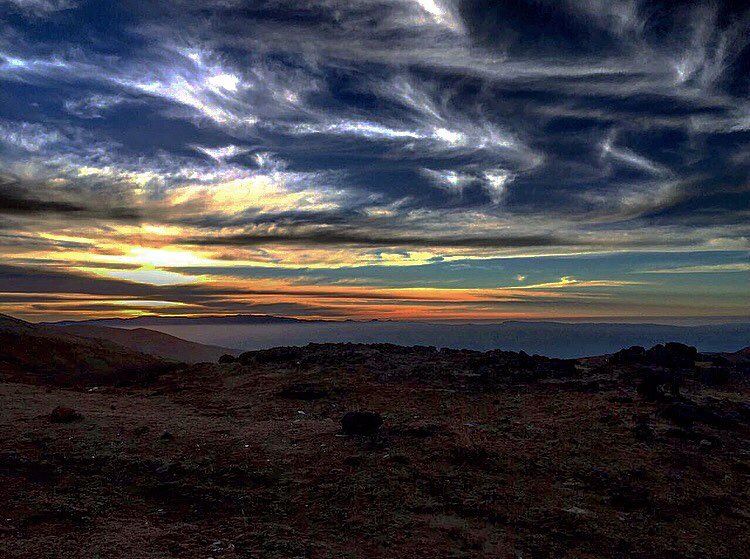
{"points": [[248, 459]]}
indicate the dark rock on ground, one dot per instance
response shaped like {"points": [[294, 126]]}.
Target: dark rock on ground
{"points": [[633, 355], [62, 414], [670, 355], [715, 376], [658, 385], [643, 431], [304, 391], [686, 413], [361, 423]]}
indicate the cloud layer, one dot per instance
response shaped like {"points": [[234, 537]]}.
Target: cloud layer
{"points": [[327, 135]]}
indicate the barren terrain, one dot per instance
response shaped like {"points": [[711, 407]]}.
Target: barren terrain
{"points": [[493, 454]]}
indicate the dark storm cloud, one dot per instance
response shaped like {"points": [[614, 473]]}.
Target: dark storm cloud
{"points": [[19, 197], [335, 237]]}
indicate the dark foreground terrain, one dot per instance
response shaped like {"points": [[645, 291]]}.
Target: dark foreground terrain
{"points": [[497, 454]]}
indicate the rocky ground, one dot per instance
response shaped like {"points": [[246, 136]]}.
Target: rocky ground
{"points": [[640, 454]]}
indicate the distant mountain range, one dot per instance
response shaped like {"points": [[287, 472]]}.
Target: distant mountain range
{"points": [[184, 320], [85, 355], [554, 339]]}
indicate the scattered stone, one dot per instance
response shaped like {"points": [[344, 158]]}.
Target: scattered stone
{"points": [[304, 391], [643, 431], [658, 385], [220, 547], [578, 511], [686, 413], [361, 423], [353, 461], [140, 430], [469, 455], [421, 431], [715, 376], [62, 414], [629, 498], [166, 436], [399, 459]]}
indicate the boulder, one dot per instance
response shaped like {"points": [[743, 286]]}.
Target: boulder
{"points": [[672, 355], [62, 414], [629, 356]]}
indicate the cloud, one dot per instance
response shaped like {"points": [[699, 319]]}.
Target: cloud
{"points": [[94, 105], [375, 133], [496, 183], [222, 153], [493, 181], [40, 8], [702, 269], [28, 136], [18, 197]]}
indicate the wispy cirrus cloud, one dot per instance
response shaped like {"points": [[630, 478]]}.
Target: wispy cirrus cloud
{"points": [[372, 133]]}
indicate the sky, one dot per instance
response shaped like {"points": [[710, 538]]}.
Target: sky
{"points": [[375, 159]]}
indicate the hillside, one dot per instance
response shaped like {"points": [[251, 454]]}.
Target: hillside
{"points": [[46, 355], [152, 342], [643, 453]]}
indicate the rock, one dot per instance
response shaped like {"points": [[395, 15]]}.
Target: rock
{"points": [[400, 459], [361, 423], [421, 431], [629, 356], [226, 358], [140, 430], [303, 391], [353, 461], [166, 436], [629, 498], [271, 356], [681, 413], [655, 385], [686, 413], [715, 376], [62, 414], [643, 431], [672, 355], [471, 454]]}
